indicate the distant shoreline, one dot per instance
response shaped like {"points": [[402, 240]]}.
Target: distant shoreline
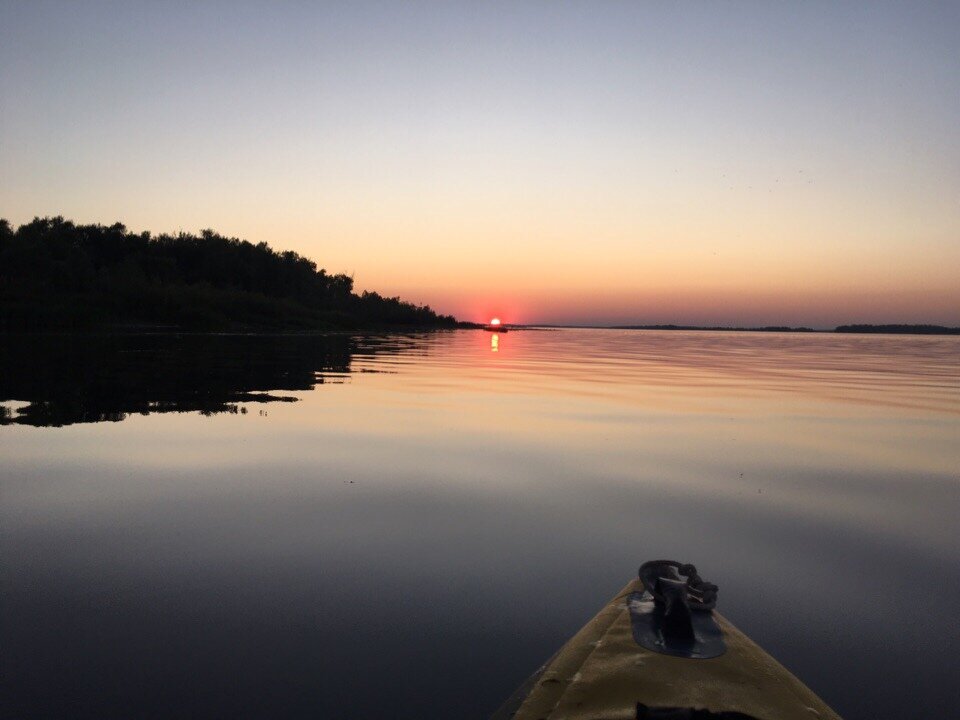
{"points": [[143, 329], [863, 329]]}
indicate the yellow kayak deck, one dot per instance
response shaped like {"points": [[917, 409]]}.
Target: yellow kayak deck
{"points": [[603, 674]]}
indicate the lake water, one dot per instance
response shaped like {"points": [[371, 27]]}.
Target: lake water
{"points": [[407, 526]]}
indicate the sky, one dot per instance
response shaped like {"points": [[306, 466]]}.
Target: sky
{"points": [[735, 163]]}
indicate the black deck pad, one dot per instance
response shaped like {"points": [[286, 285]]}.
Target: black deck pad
{"points": [[664, 713], [646, 619]]}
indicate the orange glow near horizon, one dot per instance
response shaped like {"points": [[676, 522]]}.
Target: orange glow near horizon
{"points": [[532, 163], [754, 302]]}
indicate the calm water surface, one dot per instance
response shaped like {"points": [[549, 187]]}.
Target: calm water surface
{"points": [[406, 526]]}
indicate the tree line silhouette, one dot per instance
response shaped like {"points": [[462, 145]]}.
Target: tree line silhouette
{"points": [[900, 329], [55, 274]]}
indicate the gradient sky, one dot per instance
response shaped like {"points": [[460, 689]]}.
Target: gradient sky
{"points": [[726, 162]]}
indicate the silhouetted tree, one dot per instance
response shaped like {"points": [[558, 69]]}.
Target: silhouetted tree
{"points": [[54, 273]]}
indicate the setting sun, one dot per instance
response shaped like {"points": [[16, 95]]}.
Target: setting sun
{"points": [[495, 321]]}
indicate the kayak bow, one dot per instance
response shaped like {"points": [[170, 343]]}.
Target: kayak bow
{"points": [[658, 650]]}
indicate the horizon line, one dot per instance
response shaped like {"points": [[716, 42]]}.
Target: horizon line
{"points": [[852, 328]]}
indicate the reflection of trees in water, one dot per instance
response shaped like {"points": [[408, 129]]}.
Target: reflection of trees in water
{"points": [[68, 380]]}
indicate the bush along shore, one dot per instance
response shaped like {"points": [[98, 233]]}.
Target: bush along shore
{"points": [[57, 275]]}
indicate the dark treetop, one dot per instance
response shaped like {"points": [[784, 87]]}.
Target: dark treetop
{"points": [[58, 275]]}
